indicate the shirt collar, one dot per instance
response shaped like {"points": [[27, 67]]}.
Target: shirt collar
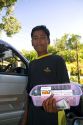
{"points": [[44, 55]]}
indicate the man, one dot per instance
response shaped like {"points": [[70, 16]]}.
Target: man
{"points": [[46, 69]]}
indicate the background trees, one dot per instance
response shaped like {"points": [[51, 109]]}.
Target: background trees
{"points": [[9, 23], [70, 48]]}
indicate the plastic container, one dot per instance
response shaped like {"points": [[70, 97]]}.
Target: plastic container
{"points": [[69, 92]]}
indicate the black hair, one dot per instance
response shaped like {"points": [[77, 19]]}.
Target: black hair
{"points": [[43, 28]]}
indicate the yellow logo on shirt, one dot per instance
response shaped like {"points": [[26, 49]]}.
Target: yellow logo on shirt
{"points": [[47, 69]]}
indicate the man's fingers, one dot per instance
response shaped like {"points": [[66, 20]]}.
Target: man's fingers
{"points": [[49, 104]]}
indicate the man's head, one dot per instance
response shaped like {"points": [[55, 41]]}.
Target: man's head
{"points": [[40, 39], [43, 28]]}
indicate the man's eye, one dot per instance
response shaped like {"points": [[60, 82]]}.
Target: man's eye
{"points": [[34, 38], [41, 38]]}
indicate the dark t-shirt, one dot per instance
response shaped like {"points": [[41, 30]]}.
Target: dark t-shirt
{"points": [[47, 70]]}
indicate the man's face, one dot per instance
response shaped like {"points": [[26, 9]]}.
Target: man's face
{"points": [[40, 41]]}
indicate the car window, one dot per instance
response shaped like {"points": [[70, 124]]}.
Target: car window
{"points": [[10, 62]]}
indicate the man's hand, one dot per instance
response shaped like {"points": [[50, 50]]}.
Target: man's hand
{"points": [[49, 105]]}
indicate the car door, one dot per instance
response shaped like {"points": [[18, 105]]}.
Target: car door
{"points": [[13, 82]]}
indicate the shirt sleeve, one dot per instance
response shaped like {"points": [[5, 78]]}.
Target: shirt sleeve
{"points": [[62, 72]]}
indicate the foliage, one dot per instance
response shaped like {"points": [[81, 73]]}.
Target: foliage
{"points": [[67, 41], [69, 56], [30, 55], [52, 49], [6, 3], [60, 44], [73, 41], [74, 78], [81, 51], [9, 23]]}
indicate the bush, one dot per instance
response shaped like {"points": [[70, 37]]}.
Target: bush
{"points": [[73, 78]]}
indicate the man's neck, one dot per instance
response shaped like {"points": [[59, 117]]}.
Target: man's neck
{"points": [[42, 53]]}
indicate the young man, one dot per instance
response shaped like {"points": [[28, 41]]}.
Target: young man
{"points": [[46, 69]]}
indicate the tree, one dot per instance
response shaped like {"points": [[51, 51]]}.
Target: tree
{"points": [[75, 45], [52, 49], [30, 55], [9, 23], [71, 43], [60, 44], [6, 3]]}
